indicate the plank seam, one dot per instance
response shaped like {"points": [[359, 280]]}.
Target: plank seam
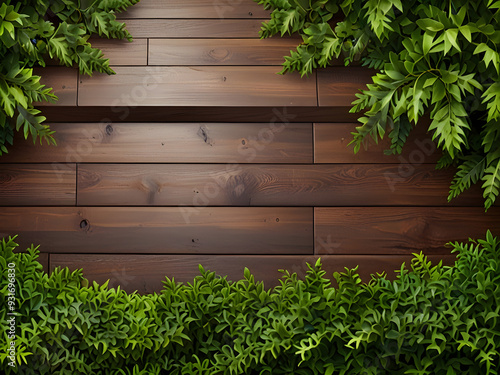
{"points": [[76, 184], [317, 88], [314, 142], [77, 88], [314, 231]]}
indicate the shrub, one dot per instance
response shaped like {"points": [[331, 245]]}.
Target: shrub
{"points": [[436, 58], [33, 31], [430, 320]]}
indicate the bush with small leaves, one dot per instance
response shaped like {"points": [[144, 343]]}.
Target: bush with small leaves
{"points": [[436, 320]]}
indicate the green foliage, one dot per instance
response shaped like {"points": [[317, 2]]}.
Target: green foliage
{"points": [[435, 58], [432, 319], [33, 31]]}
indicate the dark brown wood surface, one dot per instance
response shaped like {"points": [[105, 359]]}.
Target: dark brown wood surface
{"points": [[145, 273], [331, 145], [194, 230], [180, 159], [186, 52], [271, 142], [266, 185], [203, 28], [38, 185], [399, 230], [185, 86], [195, 9]]}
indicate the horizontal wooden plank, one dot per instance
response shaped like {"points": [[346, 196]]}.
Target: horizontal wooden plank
{"points": [[331, 145], [63, 80], [210, 28], [393, 230], [265, 185], [196, 9], [41, 185], [223, 230], [220, 51], [207, 86], [145, 273], [271, 142], [123, 52], [194, 113], [337, 86]]}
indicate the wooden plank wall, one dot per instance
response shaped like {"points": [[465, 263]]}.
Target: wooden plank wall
{"points": [[196, 151]]}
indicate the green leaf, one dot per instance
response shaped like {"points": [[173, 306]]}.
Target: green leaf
{"points": [[466, 32], [451, 38], [430, 24]]}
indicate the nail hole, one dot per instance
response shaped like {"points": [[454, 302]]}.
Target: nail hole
{"points": [[243, 142], [277, 219], [84, 224], [250, 13], [109, 129]]}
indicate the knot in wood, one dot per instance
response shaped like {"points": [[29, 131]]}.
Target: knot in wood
{"points": [[109, 129]]}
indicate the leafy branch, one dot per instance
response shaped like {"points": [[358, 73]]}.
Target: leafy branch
{"points": [[438, 59], [31, 32]]}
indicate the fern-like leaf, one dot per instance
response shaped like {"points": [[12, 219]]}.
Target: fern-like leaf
{"points": [[469, 172], [399, 135], [491, 183]]}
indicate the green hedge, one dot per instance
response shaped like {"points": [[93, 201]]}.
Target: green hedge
{"points": [[431, 320]]}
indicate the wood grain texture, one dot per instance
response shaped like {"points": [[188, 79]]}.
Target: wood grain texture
{"points": [[331, 145], [194, 113], [123, 52], [196, 230], [145, 273], [63, 80], [337, 86], [271, 142], [193, 52], [41, 185], [188, 86], [265, 185], [196, 9], [195, 29], [393, 230]]}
